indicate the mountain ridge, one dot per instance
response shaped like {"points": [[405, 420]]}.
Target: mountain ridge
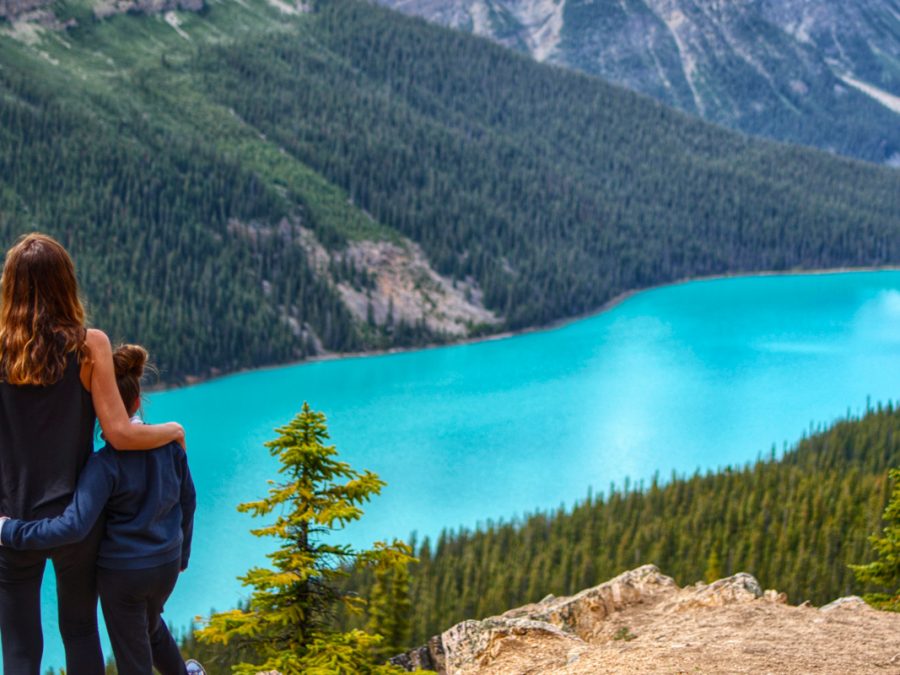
{"points": [[825, 74]]}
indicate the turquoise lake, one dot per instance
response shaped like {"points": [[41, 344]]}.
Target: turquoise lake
{"points": [[697, 375]]}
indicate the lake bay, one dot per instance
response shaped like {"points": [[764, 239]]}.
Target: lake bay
{"points": [[692, 376]]}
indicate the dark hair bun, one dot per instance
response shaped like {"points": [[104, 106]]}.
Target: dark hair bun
{"points": [[129, 361]]}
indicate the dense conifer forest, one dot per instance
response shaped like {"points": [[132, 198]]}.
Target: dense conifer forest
{"points": [[179, 170], [554, 190], [175, 244]]}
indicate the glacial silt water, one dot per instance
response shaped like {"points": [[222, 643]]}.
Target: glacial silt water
{"points": [[697, 375]]}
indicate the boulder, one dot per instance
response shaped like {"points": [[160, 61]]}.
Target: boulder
{"points": [[429, 656], [739, 588], [471, 645], [848, 602]]}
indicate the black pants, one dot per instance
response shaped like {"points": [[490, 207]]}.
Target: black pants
{"points": [[132, 602], [76, 591]]}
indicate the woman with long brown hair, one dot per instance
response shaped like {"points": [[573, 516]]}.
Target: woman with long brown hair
{"points": [[56, 380]]}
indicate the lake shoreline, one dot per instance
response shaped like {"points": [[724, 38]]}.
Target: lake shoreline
{"points": [[610, 304]]}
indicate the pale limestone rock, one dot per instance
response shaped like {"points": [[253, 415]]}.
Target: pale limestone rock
{"points": [[848, 602], [585, 612], [739, 588], [469, 645]]}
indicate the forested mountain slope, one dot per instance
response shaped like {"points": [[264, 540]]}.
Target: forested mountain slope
{"points": [[240, 184], [824, 73]]}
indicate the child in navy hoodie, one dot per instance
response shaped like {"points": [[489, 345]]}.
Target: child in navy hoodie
{"points": [[148, 501]]}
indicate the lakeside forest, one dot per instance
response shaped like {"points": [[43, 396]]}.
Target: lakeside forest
{"points": [[180, 172]]}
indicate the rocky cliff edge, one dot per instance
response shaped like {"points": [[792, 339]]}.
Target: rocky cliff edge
{"points": [[642, 621]]}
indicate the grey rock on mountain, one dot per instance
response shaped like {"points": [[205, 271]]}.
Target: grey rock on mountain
{"points": [[817, 72], [24, 9], [106, 8], [13, 8]]}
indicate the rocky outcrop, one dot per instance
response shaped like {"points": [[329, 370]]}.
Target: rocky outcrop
{"points": [[10, 9], [25, 10], [405, 287], [584, 614], [106, 8], [472, 645], [741, 587], [851, 602], [642, 621]]}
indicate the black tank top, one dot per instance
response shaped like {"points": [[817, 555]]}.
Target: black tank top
{"points": [[46, 436]]}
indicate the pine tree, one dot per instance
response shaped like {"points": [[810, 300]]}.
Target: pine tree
{"points": [[389, 608], [287, 620], [885, 571]]}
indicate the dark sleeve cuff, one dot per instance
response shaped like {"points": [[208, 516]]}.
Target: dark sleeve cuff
{"points": [[6, 531]]}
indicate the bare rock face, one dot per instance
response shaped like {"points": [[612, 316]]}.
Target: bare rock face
{"points": [[585, 612], [406, 288], [472, 644], [107, 8], [12, 8], [40, 11]]}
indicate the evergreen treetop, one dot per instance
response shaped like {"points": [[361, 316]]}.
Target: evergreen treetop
{"points": [[288, 617], [885, 570]]}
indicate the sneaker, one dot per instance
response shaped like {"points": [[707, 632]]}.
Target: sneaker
{"points": [[194, 668]]}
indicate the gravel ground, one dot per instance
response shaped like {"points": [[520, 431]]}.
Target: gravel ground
{"points": [[753, 637]]}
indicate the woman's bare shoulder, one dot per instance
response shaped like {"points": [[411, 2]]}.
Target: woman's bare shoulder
{"points": [[96, 343], [96, 336]]}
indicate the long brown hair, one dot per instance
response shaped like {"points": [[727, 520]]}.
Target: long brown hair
{"points": [[41, 316]]}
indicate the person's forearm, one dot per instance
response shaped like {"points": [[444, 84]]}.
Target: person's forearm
{"points": [[27, 535], [114, 419], [143, 436], [71, 526]]}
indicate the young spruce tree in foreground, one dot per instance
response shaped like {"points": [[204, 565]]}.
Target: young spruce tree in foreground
{"points": [[288, 619], [885, 571]]}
